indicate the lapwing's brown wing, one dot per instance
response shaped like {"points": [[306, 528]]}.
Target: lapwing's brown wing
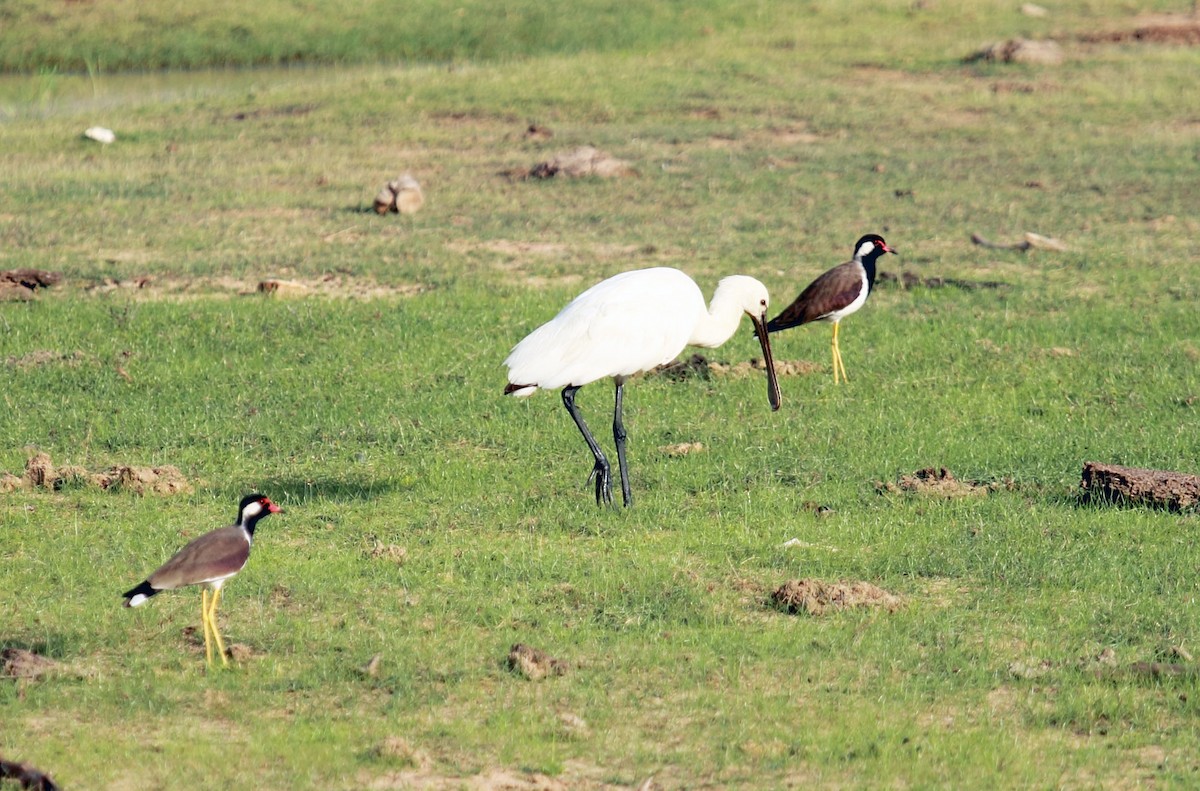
{"points": [[213, 556], [830, 292]]}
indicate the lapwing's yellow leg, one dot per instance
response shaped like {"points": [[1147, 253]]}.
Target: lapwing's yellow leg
{"points": [[212, 619], [838, 365], [207, 628]]}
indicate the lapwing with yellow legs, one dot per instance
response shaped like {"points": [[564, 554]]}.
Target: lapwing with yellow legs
{"points": [[209, 560], [836, 294]]}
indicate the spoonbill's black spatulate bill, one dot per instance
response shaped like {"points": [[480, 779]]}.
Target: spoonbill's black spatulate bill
{"points": [[632, 322]]}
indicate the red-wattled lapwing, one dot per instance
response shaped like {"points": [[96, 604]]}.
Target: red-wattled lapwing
{"points": [[629, 323], [208, 560], [836, 294]]}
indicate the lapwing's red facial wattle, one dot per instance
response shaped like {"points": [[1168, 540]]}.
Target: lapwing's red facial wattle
{"points": [[271, 507]]}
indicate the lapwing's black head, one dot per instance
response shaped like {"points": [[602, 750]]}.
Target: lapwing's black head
{"points": [[254, 507], [870, 247]]}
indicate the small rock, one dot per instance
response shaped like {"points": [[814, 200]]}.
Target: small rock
{"points": [[533, 663], [1021, 50], [400, 196], [1034, 10], [1046, 242], [282, 288], [409, 197], [371, 668], [100, 134]]}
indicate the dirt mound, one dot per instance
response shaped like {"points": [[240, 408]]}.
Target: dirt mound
{"points": [[815, 597], [19, 663], [41, 473], [937, 482], [22, 284], [697, 365], [533, 663]]}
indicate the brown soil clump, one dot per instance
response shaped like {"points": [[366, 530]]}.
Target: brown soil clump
{"points": [[534, 663], [937, 482], [19, 663], [682, 448], [697, 365], [1113, 483], [22, 284], [815, 597], [578, 163], [41, 473]]}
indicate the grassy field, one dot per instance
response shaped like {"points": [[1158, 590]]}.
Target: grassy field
{"points": [[433, 523]]}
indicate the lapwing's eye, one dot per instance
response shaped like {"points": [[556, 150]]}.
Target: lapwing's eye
{"points": [[762, 302]]}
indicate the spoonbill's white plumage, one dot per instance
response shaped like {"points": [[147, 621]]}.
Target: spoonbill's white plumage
{"points": [[629, 323]]}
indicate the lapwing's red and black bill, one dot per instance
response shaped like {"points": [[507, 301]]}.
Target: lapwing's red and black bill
{"points": [[836, 294], [208, 560]]}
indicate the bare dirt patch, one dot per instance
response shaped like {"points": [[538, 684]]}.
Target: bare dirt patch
{"points": [[1155, 29], [40, 357], [938, 482], [574, 777], [333, 285], [42, 473], [814, 597]]}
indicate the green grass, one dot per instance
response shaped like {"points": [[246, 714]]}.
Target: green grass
{"points": [[373, 414]]}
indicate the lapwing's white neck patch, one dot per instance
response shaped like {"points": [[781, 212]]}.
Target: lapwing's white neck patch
{"points": [[864, 250], [252, 510]]}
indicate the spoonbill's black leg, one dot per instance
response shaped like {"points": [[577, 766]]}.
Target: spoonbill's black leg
{"points": [[619, 436], [601, 471]]}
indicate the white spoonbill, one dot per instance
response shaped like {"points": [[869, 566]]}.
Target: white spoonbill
{"points": [[629, 323]]}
